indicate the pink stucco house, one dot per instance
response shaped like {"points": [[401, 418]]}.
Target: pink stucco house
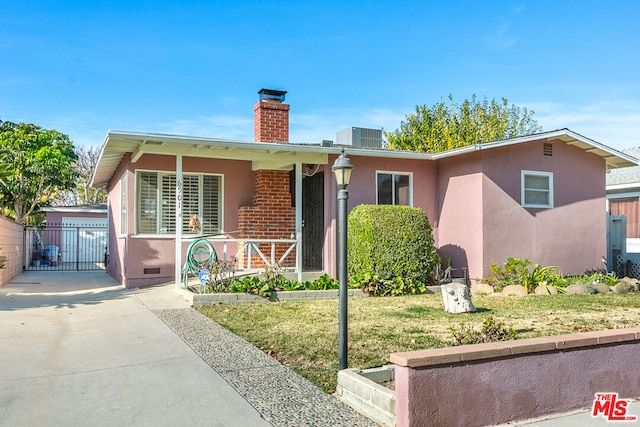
{"points": [[540, 197]]}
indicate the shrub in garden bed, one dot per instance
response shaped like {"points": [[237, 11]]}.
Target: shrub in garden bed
{"points": [[523, 272], [222, 280], [390, 249]]}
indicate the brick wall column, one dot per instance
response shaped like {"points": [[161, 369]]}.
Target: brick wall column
{"points": [[271, 216]]}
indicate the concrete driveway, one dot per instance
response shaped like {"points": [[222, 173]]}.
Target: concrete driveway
{"points": [[78, 349]]}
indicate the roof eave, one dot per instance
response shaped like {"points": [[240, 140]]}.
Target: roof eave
{"points": [[614, 159]]}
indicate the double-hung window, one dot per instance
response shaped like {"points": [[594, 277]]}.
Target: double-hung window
{"points": [[537, 189], [156, 201], [394, 188]]}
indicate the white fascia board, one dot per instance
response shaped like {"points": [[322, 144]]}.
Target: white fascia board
{"points": [[623, 195], [626, 186], [268, 146], [104, 144], [539, 136], [71, 209]]}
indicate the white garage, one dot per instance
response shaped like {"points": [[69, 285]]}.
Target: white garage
{"points": [[73, 238], [84, 240]]}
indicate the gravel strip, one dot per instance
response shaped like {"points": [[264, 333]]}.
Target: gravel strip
{"points": [[283, 397]]}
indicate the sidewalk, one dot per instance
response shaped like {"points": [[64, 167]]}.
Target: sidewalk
{"points": [[581, 418]]}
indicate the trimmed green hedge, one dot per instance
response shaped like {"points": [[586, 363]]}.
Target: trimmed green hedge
{"points": [[391, 241]]}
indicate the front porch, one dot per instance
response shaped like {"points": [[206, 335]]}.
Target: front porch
{"points": [[246, 257]]}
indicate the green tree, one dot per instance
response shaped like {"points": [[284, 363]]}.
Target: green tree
{"points": [[36, 163], [447, 126], [83, 193]]}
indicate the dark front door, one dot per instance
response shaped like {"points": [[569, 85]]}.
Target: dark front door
{"points": [[312, 221]]}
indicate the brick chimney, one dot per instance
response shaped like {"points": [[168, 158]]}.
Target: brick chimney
{"points": [[271, 117], [271, 216]]}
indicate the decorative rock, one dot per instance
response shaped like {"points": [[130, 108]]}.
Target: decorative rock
{"points": [[601, 288], [481, 289], [630, 284], [580, 288], [545, 290], [514, 290], [456, 298], [622, 287]]}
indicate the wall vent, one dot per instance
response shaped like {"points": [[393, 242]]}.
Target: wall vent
{"points": [[547, 149], [360, 137], [155, 270]]}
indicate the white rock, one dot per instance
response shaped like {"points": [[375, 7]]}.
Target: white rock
{"points": [[456, 298]]}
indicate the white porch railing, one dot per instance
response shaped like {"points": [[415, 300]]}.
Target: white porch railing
{"points": [[251, 247]]}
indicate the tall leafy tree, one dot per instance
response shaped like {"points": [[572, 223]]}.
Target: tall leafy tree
{"points": [[83, 193], [446, 126], [36, 163]]}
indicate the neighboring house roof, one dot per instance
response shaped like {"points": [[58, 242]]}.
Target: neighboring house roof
{"points": [[77, 209], [628, 177], [271, 155]]}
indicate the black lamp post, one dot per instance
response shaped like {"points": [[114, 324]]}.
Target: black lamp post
{"points": [[342, 168]]}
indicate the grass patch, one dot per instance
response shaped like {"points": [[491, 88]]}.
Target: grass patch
{"points": [[304, 335]]}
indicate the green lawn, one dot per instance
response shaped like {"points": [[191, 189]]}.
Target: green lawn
{"points": [[304, 335]]}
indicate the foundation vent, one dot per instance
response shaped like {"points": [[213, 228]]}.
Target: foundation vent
{"points": [[155, 270]]}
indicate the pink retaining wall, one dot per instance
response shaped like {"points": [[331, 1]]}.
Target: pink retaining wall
{"points": [[487, 384], [12, 248]]}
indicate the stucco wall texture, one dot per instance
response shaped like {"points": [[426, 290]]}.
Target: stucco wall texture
{"points": [[490, 392], [473, 202], [481, 220], [131, 254], [12, 248]]}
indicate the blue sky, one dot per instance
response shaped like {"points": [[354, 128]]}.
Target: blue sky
{"points": [[194, 68]]}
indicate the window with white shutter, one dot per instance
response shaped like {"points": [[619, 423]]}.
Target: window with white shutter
{"points": [[190, 200], [168, 205], [156, 198], [147, 203]]}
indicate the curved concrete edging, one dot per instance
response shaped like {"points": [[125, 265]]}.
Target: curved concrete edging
{"points": [[199, 300]]}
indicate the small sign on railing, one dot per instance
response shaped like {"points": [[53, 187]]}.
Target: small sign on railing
{"points": [[203, 276]]}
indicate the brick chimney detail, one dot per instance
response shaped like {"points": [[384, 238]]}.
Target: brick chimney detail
{"points": [[272, 215], [271, 121]]}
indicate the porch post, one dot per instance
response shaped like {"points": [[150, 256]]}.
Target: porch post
{"points": [[299, 220], [178, 220]]}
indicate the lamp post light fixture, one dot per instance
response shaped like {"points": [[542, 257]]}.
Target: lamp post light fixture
{"points": [[342, 168]]}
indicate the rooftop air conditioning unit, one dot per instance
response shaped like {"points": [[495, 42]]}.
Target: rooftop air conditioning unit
{"points": [[360, 137]]}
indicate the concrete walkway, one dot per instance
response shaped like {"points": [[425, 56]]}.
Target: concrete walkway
{"points": [[78, 349]]}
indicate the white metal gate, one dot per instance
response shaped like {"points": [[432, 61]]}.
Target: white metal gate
{"points": [[617, 244], [80, 246]]}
